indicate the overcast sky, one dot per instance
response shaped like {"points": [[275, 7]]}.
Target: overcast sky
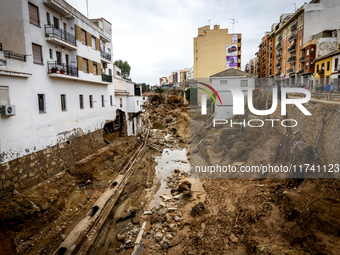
{"points": [[156, 36]]}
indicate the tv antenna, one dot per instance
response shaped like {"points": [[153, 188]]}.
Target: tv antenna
{"points": [[294, 7], [233, 22], [209, 22], [87, 7]]}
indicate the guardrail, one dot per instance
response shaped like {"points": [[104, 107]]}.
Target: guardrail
{"points": [[62, 68], [52, 31], [12, 55]]}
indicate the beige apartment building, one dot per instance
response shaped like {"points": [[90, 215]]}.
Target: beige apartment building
{"points": [[215, 51]]}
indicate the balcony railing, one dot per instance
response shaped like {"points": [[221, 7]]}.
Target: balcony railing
{"points": [[301, 71], [294, 26], [291, 70], [291, 59], [62, 68], [292, 37], [12, 55], [52, 31], [292, 48], [106, 78], [278, 74], [278, 64], [105, 55], [280, 37], [279, 46], [278, 56], [302, 59]]}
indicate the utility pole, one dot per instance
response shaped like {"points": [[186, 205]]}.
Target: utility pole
{"points": [[233, 22]]}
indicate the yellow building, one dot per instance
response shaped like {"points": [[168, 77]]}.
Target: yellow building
{"points": [[323, 69], [183, 76], [215, 51]]}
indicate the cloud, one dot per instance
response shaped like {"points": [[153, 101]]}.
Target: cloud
{"points": [[156, 37]]}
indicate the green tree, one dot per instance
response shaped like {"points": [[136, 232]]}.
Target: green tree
{"points": [[125, 67], [145, 87]]}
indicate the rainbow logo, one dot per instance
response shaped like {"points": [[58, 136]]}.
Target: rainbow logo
{"points": [[208, 92]]}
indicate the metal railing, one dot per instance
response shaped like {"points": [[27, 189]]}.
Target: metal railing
{"points": [[52, 31], [279, 46], [280, 37], [294, 26], [301, 71], [321, 72], [105, 55], [293, 36], [292, 48], [291, 70], [302, 59], [62, 68], [278, 64], [106, 78], [291, 59], [12, 55]]}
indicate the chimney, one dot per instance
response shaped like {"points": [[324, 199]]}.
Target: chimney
{"points": [[216, 27]]}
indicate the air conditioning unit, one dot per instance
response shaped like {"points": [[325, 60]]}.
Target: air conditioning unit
{"points": [[7, 110]]}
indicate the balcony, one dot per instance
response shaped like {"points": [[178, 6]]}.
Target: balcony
{"points": [[278, 64], [292, 48], [321, 72], [280, 37], [294, 26], [301, 71], [278, 74], [106, 78], [292, 37], [292, 59], [291, 70], [55, 67], [106, 56], [60, 37], [278, 56], [279, 46], [302, 59]]}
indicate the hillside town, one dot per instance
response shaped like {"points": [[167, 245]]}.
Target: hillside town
{"points": [[225, 155]]}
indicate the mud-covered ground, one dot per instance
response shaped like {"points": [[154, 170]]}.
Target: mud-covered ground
{"points": [[183, 214]]}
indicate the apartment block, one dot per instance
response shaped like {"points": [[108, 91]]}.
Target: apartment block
{"points": [[287, 52], [216, 50], [56, 88]]}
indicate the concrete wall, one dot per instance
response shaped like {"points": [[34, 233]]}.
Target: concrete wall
{"points": [[32, 169], [321, 16]]}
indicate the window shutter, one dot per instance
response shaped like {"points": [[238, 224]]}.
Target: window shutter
{"points": [[34, 14], [36, 54], [88, 39], [83, 36], [97, 44], [80, 63], [90, 66], [99, 70]]}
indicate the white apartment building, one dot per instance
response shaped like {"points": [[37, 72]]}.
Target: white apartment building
{"points": [[55, 73]]}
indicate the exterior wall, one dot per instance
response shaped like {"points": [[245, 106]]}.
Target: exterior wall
{"points": [[31, 169], [225, 111], [326, 45], [320, 16], [327, 72], [30, 130], [210, 51]]}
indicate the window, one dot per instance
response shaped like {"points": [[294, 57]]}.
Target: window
{"points": [[4, 95], [91, 101], [311, 65], [85, 64], [327, 80], [312, 51], [93, 42], [63, 102], [48, 19], [307, 53], [336, 62], [37, 57], [317, 68], [244, 83], [51, 53], [81, 101], [58, 54], [121, 102], [300, 41], [41, 102], [103, 103], [307, 66], [223, 81], [111, 101], [328, 65], [56, 22], [95, 68], [83, 37], [34, 14]]}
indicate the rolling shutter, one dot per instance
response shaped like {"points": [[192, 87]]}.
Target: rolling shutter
{"points": [[34, 14], [37, 57]]}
